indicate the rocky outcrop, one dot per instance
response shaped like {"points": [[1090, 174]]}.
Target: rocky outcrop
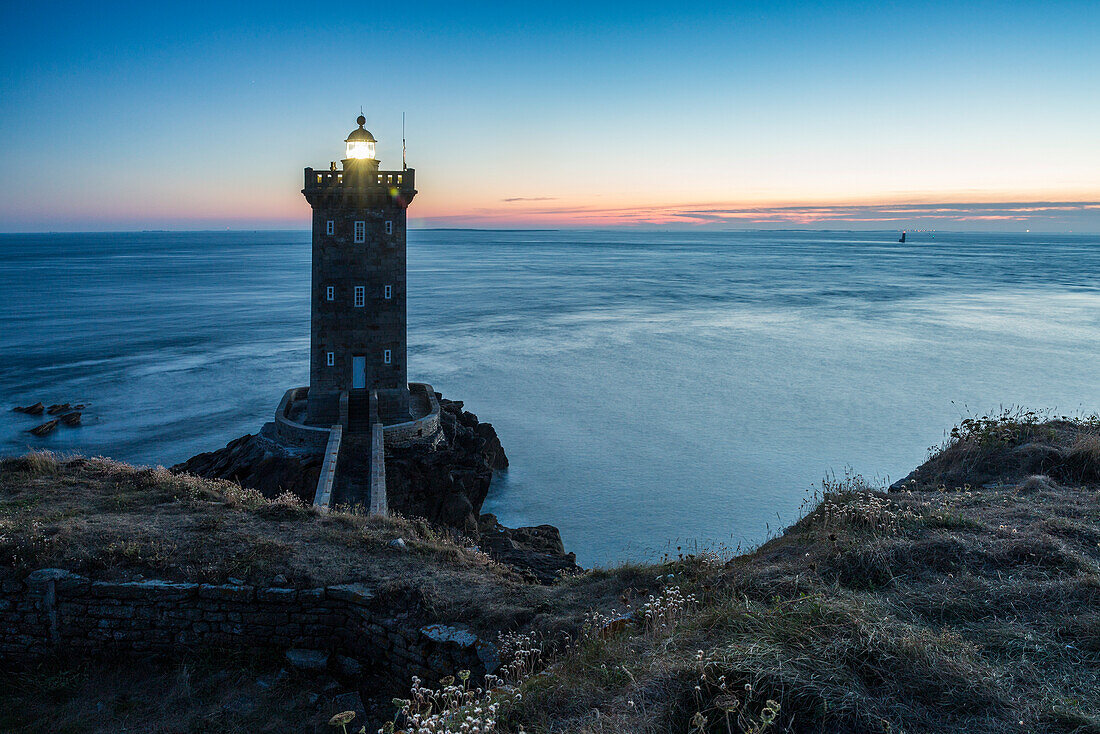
{"points": [[537, 552], [45, 428], [448, 483], [258, 462], [38, 408], [68, 414], [445, 482], [462, 428]]}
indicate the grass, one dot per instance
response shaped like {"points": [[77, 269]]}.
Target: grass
{"points": [[923, 610], [1012, 445], [112, 521], [967, 601]]}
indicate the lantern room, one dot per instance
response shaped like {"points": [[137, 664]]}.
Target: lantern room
{"points": [[360, 144]]}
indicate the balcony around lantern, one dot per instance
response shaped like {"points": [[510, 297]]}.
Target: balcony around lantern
{"points": [[329, 180]]}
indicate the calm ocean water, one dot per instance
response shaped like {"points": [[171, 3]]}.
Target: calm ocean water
{"points": [[651, 389]]}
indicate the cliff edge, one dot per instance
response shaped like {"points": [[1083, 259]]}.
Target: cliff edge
{"points": [[967, 598], [445, 483]]}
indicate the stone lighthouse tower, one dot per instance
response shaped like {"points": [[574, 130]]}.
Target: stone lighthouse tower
{"points": [[358, 312]]}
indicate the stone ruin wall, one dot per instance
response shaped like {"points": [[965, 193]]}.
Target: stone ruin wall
{"points": [[53, 611]]}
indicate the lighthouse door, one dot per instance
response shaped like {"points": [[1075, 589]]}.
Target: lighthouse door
{"points": [[358, 372]]}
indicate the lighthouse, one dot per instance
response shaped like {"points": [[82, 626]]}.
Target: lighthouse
{"points": [[358, 323]]}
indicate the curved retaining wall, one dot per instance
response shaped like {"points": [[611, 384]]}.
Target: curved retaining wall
{"points": [[314, 438], [421, 430], [54, 610], [293, 432]]}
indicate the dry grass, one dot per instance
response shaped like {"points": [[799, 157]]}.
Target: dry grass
{"points": [[926, 610], [1012, 445], [975, 608], [109, 520]]}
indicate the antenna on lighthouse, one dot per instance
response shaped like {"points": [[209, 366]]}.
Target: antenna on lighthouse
{"points": [[403, 166]]}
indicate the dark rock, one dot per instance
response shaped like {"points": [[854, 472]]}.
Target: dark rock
{"points": [[534, 551], [446, 635], [256, 462], [357, 593], [45, 428], [310, 660], [349, 702], [492, 449], [272, 679], [241, 705], [447, 484], [58, 408], [350, 667], [456, 403], [615, 626], [35, 409], [71, 419]]}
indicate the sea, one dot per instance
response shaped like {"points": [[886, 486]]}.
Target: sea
{"points": [[657, 392]]}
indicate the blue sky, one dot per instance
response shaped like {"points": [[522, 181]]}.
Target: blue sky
{"points": [[131, 116]]}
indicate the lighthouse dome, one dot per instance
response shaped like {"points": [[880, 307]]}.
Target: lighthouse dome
{"points": [[360, 144], [361, 135]]}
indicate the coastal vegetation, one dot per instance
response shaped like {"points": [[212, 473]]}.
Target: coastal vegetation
{"points": [[964, 598]]}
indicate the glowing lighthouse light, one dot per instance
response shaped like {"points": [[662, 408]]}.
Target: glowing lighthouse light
{"points": [[360, 142]]}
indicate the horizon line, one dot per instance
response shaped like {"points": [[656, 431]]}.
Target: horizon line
{"points": [[610, 227]]}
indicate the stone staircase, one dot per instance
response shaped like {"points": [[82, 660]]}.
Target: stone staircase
{"points": [[353, 471], [361, 448], [359, 413]]}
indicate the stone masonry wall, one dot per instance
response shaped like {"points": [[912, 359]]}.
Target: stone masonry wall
{"points": [[379, 323], [54, 610], [293, 433], [423, 430]]}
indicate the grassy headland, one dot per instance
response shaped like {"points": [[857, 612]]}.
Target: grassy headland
{"points": [[967, 600]]}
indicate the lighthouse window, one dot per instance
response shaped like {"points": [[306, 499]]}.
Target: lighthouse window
{"points": [[389, 227], [360, 231], [386, 356], [331, 359], [330, 227], [330, 293], [389, 292], [360, 295]]}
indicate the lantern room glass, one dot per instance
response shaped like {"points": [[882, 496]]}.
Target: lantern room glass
{"points": [[360, 149]]}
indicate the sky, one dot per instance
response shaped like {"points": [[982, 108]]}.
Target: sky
{"points": [[842, 115]]}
